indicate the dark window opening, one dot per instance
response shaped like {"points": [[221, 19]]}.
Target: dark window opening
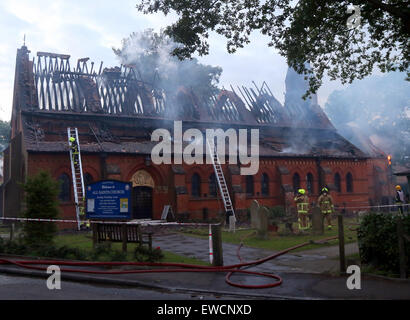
{"points": [[65, 194], [212, 185], [309, 182], [195, 185], [88, 178], [296, 182], [338, 185], [265, 185], [249, 185], [349, 182]]}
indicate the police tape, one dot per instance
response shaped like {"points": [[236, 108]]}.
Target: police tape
{"points": [[376, 206], [141, 223], [146, 222]]}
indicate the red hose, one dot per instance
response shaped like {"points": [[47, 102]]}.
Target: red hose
{"points": [[179, 267]]}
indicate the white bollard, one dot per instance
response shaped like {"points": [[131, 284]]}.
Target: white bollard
{"points": [[211, 256]]}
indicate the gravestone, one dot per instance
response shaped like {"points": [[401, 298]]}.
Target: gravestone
{"points": [[232, 221], [317, 221], [254, 214], [291, 216], [263, 213]]}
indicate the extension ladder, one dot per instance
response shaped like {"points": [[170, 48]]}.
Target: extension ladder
{"points": [[77, 174], [223, 189]]}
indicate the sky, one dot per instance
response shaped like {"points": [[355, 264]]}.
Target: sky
{"points": [[92, 28]]}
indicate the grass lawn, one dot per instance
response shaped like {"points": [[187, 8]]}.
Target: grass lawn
{"points": [[84, 242], [279, 240]]}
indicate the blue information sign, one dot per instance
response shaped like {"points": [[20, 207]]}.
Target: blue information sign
{"points": [[108, 199]]}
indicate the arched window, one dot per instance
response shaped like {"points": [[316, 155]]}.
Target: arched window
{"points": [[196, 185], [309, 183], [296, 182], [213, 192], [88, 178], [349, 182], [338, 185], [249, 185], [65, 194], [265, 185]]}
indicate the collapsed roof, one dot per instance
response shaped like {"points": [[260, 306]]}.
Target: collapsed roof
{"points": [[116, 112], [119, 91]]}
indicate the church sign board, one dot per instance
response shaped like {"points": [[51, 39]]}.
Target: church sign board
{"points": [[108, 199]]}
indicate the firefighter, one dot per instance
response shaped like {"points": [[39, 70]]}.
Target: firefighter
{"points": [[326, 206], [74, 149], [84, 224], [399, 199], [302, 207]]}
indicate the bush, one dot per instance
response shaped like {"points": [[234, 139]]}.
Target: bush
{"points": [[41, 192], [378, 242], [143, 254], [276, 215]]}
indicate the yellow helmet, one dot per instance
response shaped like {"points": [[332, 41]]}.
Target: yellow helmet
{"points": [[398, 187], [301, 191], [72, 139], [325, 190]]}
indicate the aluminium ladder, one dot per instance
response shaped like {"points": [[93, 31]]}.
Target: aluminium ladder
{"points": [[223, 189], [77, 175]]}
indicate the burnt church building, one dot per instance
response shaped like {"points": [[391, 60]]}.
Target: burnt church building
{"points": [[115, 114]]}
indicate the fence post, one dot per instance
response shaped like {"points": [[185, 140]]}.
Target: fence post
{"points": [[217, 245], [124, 237], [94, 227], [12, 231], [341, 234], [402, 253]]}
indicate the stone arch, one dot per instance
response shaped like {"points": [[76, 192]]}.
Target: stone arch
{"points": [[142, 178], [142, 192], [151, 170]]}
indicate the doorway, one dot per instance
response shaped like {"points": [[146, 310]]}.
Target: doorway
{"points": [[142, 204]]}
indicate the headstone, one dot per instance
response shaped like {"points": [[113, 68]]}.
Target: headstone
{"points": [[290, 218], [263, 213], [254, 214], [232, 221], [317, 221]]}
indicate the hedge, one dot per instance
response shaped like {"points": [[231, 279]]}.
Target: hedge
{"points": [[378, 241]]}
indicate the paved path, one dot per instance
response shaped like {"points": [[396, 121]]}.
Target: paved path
{"points": [[321, 260]]}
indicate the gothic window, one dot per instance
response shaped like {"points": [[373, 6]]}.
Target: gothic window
{"points": [[249, 185], [309, 183], [296, 182], [349, 182], [338, 185], [265, 185], [212, 185], [88, 178], [196, 185], [65, 194]]}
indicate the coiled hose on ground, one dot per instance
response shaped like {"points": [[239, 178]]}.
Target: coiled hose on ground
{"points": [[170, 267]]}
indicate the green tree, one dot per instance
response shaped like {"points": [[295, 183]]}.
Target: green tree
{"points": [[5, 131], [302, 31], [41, 199], [150, 53]]}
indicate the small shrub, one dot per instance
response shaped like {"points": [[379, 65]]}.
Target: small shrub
{"points": [[103, 248], [143, 254], [378, 242], [276, 215], [116, 255], [41, 192]]}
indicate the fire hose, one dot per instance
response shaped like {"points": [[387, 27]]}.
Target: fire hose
{"points": [[177, 267]]}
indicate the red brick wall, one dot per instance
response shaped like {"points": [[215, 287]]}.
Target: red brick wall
{"points": [[166, 181]]}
